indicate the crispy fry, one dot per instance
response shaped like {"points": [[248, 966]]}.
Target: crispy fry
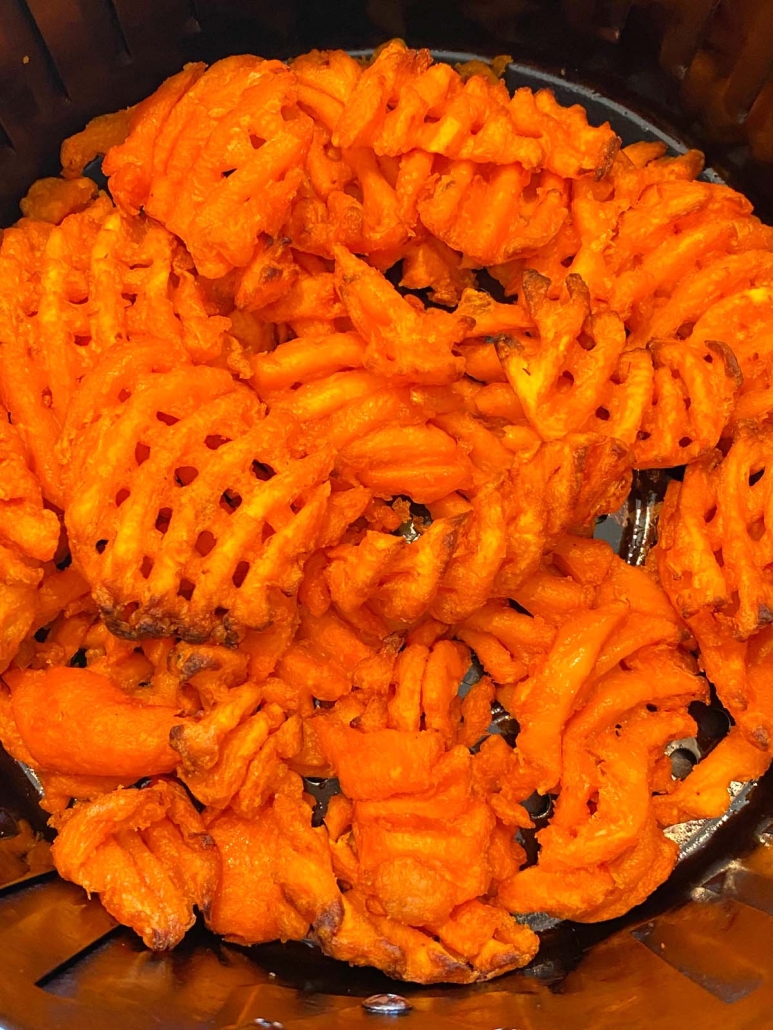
{"points": [[116, 734], [147, 854]]}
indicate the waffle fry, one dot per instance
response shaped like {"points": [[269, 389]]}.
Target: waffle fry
{"points": [[147, 855]]}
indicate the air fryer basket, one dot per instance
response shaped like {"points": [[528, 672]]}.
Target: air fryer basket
{"points": [[685, 71]]}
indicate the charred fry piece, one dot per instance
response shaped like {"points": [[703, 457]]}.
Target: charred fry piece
{"points": [[148, 856]]}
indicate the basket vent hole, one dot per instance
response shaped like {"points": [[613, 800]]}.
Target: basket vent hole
{"points": [[682, 762]]}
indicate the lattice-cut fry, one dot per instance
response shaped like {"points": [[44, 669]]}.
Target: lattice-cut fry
{"points": [[475, 712], [704, 793], [326, 79], [24, 523], [322, 399], [216, 751], [407, 953], [447, 664], [573, 147], [430, 265], [383, 223], [541, 503], [478, 557], [285, 860], [254, 198], [311, 297], [492, 215], [623, 812], [444, 829], [391, 324], [744, 319], [145, 164], [63, 323], [656, 676], [100, 135], [710, 284], [269, 276], [715, 544], [367, 105], [636, 874], [355, 570], [411, 582], [259, 151], [158, 559], [24, 387], [673, 431], [402, 101], [143, 287], [51, 200], [206, 124], [120, 372], [249, 906], [380, 764], [29, 535], [489, 455], [61, 790], [509, 644], [550, 694], [306, 359], [558, 378], [148, 856], [597, 892], [130, 163], [116, 735], [404, 707], [421, 461]]}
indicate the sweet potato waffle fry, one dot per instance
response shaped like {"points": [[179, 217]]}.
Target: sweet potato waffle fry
{"points": [[288, 494]]}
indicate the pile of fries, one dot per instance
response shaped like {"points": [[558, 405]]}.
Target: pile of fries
{"points": [[279, 474]]}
